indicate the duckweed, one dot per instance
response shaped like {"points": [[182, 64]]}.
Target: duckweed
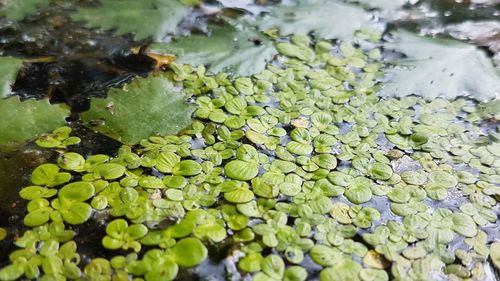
{"points": [[292, 166]]}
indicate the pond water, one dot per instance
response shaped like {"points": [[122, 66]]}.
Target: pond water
{"points": [[290, 140]]}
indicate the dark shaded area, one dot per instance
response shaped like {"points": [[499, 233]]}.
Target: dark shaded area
{"points": [[11, 218], [66, 62]]}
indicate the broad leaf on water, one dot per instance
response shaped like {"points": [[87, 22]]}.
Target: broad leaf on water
{"points": [[441, 68], [9, 68], [27, 119], [233, 48], [16, 10], [328, 19], [147, 18], [481, 33], [147, 106]]}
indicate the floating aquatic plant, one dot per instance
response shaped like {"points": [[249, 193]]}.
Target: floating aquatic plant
{"points": [[299, 164]]}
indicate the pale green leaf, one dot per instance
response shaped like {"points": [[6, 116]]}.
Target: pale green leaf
{"points": [[189, 252], [148, 18], [441, 68], [233, 48], [328, 19]]}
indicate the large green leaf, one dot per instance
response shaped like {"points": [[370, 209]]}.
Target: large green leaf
{"points": [[22, 121], [328, 19], [9, 67], [441, 68], [147, 106], [235, 48], [145, 18], [17, 10]]}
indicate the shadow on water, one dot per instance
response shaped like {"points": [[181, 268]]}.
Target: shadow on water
{"points": [[66, 62]]}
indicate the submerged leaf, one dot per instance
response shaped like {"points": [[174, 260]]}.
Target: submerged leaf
{"points": [[148, 18], [163, 110], [441, 68], [237, 49], [328, 19]]}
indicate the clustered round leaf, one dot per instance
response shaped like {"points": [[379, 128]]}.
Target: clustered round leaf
{"points": [[300, 164]]}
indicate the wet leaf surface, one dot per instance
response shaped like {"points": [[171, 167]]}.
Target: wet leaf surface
{"points": [[234, 48], [168, 112], [426, 70], [146, 19], [27, 119]]}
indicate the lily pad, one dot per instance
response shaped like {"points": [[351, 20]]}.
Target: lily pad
{"points": [[163, 110], [149, 18], [27, 119], [441, 68], [304, 16], [234, 48]]}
